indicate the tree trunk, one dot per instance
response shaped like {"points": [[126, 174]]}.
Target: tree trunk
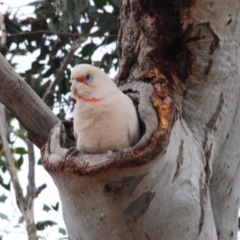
{"points": [[181, 181], [184, 183]]}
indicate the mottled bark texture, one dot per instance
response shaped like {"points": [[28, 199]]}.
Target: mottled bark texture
{"points": [[178, 60]]}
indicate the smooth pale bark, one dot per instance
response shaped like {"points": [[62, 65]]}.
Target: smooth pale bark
{"points": [[211, 106], [145, 202], [190, 190]]}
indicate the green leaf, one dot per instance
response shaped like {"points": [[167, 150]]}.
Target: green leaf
{"points": [[44, 224], [70, 5], [106, 23], [3, 165], [46, 208], [63, 23], [3, 198], [62, 231], [68, 18], [61, 115], [88, 49], [39, 162], [92, 9], [117, 3], [6, 186], [76, 17], [52, 27], [20, 150], [65, 5], [4, 217], [21, 219], [56, 206], [100, 3], [86, 27], [19, 162], [9, 131]]}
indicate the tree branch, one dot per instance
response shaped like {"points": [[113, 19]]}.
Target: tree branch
{"points": [[31, 189], [3, 28], [25, 104], [31, 172], [31, 229], [39, 189], [63, 67], [42, 32]]}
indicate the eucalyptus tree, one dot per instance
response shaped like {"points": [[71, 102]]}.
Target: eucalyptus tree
{"points": [[178, 61]]}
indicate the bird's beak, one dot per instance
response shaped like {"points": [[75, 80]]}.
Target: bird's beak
{"points": [[79, 79], [73, 87], [74, 82]]}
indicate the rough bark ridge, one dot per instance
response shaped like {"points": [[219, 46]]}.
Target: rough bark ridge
{"points": [[181, 180], [151, 42], [151, 48]]}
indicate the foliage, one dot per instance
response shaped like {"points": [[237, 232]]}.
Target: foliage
{"points": [[43, 224], [37, 45], [51, 31]]}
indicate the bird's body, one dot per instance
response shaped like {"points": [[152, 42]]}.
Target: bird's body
{"points": [[104, 118]]}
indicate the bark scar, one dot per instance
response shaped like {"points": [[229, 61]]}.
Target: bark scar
{"points": [[138, 207], [210, 125], [209, 66], [179, 160], [124, 186]]}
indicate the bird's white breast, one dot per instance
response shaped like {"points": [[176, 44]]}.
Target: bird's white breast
{"points": [[110, 124]]}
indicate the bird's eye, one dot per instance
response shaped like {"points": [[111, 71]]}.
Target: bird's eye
{"points": [[89, 78]]}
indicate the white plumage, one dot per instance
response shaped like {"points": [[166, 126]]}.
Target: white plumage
{"points": [[104, 118]]}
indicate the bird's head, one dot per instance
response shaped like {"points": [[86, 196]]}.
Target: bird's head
{"points": [[89, 82]]}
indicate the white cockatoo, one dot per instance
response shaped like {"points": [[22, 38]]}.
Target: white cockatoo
{"points": [[104, 118]]}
